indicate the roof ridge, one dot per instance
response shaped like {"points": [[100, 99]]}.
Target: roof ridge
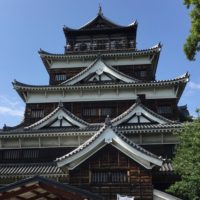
{"points": [[94, 137], [138, 147], [85, 144]]}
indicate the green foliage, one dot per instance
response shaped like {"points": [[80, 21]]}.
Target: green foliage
{"points": [[187, 162], [192, 45], [197, 111]]}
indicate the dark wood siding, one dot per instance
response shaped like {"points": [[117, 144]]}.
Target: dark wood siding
{"points": [[69, 72], [141, 72], [114, 108], [139, 179], [32, 155]]}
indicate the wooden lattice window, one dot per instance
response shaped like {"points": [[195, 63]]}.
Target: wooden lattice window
{"points": [[164, 109], [37, 113], [100, 112], [109, 176], [60, 77]]}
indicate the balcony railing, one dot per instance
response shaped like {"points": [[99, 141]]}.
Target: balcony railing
{"points": [[93, 46]]}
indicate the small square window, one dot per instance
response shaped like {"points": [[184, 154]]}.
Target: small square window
{"points": [[109, 176]]}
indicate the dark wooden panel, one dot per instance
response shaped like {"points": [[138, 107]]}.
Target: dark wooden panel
{"points": [[139, 179], [69, 72], [117, 107]]}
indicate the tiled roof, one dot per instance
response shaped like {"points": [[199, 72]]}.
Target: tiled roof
{"points": [[135, 146], [91, 130], [21, 86], [149, 128], [104, 53], [94, 137], [84, 145], [30, 169], [167, 166], [100, 15], [38, 187]]}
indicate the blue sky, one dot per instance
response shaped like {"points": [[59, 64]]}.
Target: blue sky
{"points": [[28, 25]]}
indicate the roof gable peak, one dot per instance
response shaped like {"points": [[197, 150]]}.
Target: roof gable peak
{"points": [[99, 71], [140, 114], [60, 117], [108, 135]]}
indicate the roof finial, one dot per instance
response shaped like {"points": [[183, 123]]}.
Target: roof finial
{"points": [[100, 10], [60, 104], [108, 120]]}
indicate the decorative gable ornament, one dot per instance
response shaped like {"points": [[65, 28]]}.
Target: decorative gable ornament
{"points": [[140, 114], [100, 71], [60, 117], [109, 136]]}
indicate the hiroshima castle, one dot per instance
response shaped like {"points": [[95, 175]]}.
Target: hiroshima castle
{"points": [[102, 128]]}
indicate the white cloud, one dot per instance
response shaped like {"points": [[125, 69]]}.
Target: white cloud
{"points": [[195, 86], [10, 107]]}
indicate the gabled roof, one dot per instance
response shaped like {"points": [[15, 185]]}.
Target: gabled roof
{"points": [[22, 170], [100, 22], [180, 82], [100, 71], [27, 87], [60, 117], [139, 114], [107, 135], [38, 187]]}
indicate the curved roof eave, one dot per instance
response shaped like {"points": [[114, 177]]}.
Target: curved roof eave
{"points": [[107, 135], [181, 79], [154, 49], [99, 16], [76, 120], [45, 56]]}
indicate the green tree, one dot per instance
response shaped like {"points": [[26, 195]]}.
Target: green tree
{"points": [[192, 45], [187, 162]]}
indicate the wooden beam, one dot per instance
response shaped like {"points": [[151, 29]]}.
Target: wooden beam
{"points": [[20, 198], [38, 195], [64, 194], [7, 195]]}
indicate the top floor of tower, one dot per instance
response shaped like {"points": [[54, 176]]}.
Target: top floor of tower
{"points": [[100, 37], [100, 34]]}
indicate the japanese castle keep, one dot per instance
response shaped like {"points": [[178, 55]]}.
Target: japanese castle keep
{"points": [[101, 127]]}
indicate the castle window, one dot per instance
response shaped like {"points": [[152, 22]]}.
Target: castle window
{"points": [[60, 77], [101, 112], [109, 176], [140, 73], [143, 73], [83, 46], [37, 113], [164, 109]]}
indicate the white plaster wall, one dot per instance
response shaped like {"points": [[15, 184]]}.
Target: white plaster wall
{"points": [[100, 95], [110, 61], [30, 142]]}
